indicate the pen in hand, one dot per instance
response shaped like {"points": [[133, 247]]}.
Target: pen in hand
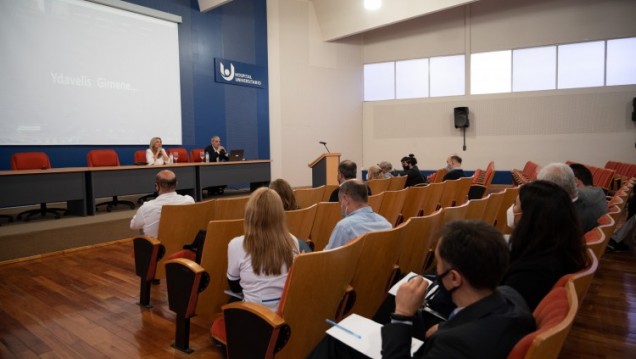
{"points": [[331, 322]]}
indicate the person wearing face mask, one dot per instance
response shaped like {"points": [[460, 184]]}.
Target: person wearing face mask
{"points": [[413, 174], [358, 217], [471, 257], [454, 168], [546, 242]]}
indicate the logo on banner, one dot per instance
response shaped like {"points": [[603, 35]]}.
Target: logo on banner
{"points": [[227, 74], [238, 73]]}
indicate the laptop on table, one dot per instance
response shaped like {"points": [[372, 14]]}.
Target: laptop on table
{"points": [[236, 155]]}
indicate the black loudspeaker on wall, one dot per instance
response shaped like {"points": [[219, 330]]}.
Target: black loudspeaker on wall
{"points": [[461, 117]]}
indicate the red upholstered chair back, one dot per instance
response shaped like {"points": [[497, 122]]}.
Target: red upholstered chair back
{"points": [[195, 155], [102, 158], [140, 156], [30, 161], [183, 154]]}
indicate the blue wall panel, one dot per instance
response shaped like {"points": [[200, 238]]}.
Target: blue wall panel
{"points": [[240, 115]]}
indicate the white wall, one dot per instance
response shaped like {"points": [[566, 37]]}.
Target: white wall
{"points": [[587, 125], [315, 92]]}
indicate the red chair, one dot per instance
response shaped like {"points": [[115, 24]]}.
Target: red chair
{"points": [[195, 155], [106, 158], [140, 157], [554, 317], [182, 155], [34, 161]]}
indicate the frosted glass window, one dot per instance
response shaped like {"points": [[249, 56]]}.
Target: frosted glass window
{"points": [[534, 69], [411, 79], [621, 62], [379, 81], [581, 65], [490, 72], [448, 76]]}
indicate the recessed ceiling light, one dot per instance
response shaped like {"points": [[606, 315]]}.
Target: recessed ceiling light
{"points": [[372, 4]]}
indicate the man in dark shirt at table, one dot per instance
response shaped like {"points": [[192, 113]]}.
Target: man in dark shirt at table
{"points": [[216, 153]]}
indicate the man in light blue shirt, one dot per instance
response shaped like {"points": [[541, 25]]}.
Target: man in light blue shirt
{"points": [[358, 219]]}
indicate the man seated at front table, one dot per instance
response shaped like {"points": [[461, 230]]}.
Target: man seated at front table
{"points": [[471, 258], [148, 215], [216, 153], [359, 218]]}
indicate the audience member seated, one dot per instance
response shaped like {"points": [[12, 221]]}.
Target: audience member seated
{"points": [[156, 155], [414, 176], [148, 215], [471, 257], [546, 241], [358, 219], [215, 153], [286, 193], [454, 167], [347, 171], [562, 175], [258, 261], [387, 169], [587, 191], [374, 172]]}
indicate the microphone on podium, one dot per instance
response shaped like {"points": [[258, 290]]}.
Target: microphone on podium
{"points": [[325, 144]]}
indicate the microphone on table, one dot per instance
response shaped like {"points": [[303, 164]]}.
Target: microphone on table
{"points": [[325, 144]]}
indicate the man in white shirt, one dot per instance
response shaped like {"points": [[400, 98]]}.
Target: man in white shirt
{"points": [[148, 215]]}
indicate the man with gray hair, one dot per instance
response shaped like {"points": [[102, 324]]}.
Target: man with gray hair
{"points": [[562, 175], [387, 169]]}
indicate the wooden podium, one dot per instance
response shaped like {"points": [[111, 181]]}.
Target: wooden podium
{"points": [[324, 169]]}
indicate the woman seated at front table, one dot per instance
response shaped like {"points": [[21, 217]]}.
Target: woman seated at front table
{"points": [[156, 155], [258, 261]]}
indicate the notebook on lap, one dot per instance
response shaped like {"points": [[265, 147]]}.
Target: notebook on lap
{"points": [[236, 155]]}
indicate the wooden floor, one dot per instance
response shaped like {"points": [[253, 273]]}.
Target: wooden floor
{"points": [[82, 304]]}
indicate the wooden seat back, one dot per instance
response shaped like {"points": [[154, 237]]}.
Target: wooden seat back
{"points": [[305, 197], [432, 201], [214, 261], [376, 269], [230, 208], [375, 201], [595, 241], [413, 202], [378, 185], [327, 215], [329, 188], [300, 221], [476, 208], [461, 192], [315, 288], [554, 317], [454, 213], [417, 245], [510, 196], [392, 203], [449, 193], [179, 225], [581, 279], [492, 207], [397, 183]]}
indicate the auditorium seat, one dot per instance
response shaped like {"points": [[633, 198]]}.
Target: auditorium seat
{"points": [[195, 155], [34, 161], [106, 158], [182, 155]]}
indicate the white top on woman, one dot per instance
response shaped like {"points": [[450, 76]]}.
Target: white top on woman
{"points": [[263, 289]]}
